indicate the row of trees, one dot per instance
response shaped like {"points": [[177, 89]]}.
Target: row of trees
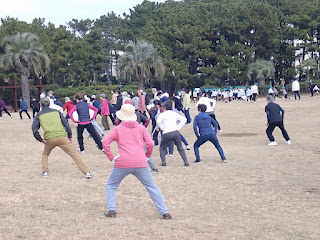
{"points": [[187, 43]]}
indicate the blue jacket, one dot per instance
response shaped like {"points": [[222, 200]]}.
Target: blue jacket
{"points": [[23, 105], [97, 104], [274, 113], [83, 112], [204, 122]]}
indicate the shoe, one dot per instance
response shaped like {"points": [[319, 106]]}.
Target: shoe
{"points": [[272, 143], [88, 175], [102, 135], [155, 170], [197, 161], [167, 216], [106, 129], [82, 152], [111, 214], [89, 137], [170, 155], [224, 161], [220, 131], [45, 174], [188, 147], [186, 164], [163, 164], [288, 142]]}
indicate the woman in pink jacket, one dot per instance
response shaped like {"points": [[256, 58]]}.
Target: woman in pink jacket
{"points": [[142, 102], [131, 159]]}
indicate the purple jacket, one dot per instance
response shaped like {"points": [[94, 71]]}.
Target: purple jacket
{"points": [[2, 104]]}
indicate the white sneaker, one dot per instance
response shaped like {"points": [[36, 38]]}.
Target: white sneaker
{"points": [[188, 147], [272, 143], [170, 155], [89, 175], [220, 131], [45, 174], [288, 142], [82, 152]]}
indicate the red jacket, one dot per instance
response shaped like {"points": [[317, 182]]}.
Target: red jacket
{"points": [[130, 137], [68, 105]]}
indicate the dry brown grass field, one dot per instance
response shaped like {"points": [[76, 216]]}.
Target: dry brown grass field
{"points": [[261, 193]]}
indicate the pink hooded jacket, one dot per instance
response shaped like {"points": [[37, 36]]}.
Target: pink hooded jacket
{"points": [[130, 137], [105, 111]]}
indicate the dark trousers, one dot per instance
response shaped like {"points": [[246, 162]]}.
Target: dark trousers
{"points": [[34, 112], [166, 139], [155, 135], [295, 95], [203, 139], [6, 111], [25, 112], [311, 91], [114, 110], [92, 132], [105, 122], [271, 128], [255, 97], [214, 117], [187, 114]]}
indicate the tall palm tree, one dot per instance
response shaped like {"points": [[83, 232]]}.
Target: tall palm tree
{"points": [[25, 54], [141, 62], [261, 70]]}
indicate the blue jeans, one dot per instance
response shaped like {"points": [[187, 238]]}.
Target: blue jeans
{"points": [[145, 177], [295, 95], [114, 111], [203, 139], [187, 114]]}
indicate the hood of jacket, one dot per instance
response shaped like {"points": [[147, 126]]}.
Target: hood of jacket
{"points": [[203, 115], [130, 124]]}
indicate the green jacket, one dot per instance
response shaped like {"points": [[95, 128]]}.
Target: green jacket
{"points": [[52, 122]]}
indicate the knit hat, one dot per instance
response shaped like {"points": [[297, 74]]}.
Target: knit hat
{"points": [[45, 101], [127, 113]]}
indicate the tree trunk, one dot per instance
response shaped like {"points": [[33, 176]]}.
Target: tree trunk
{"points": [[25, 88], [261, 81], [95, 77], [140, 83]]}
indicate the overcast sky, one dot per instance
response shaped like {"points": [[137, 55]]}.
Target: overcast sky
{"points": [[62, 11]]}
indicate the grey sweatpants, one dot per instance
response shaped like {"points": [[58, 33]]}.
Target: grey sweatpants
{"points": [[172, 137], [145, 177], [151, 163]]}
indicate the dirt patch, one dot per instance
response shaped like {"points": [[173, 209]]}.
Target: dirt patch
{"points": [[238, 135]]}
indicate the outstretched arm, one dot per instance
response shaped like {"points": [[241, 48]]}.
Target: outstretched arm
{"points": [[282, 113], [215, 125], [195, 126]]}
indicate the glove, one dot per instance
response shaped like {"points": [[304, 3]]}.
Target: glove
{"points": [[115, 158]]}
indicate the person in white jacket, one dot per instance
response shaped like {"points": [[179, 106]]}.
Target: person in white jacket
{"points": [[211, 104], [296, 89], [167, 122]]}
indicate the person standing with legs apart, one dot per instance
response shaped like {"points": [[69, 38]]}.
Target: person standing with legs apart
{"points": [[296, 89], [57, 133], [167, 122], [186, 106], [23, 108], [207, 133], [3, 107], [131, 137], [84, 121], [275, 115]]}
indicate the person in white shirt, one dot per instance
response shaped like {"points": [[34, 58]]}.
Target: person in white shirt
{"points": [[211, 104], [170, 123], [249, 94], [296, 89], [270, 91], [316, 91], [254, 91], [230, 95]]}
